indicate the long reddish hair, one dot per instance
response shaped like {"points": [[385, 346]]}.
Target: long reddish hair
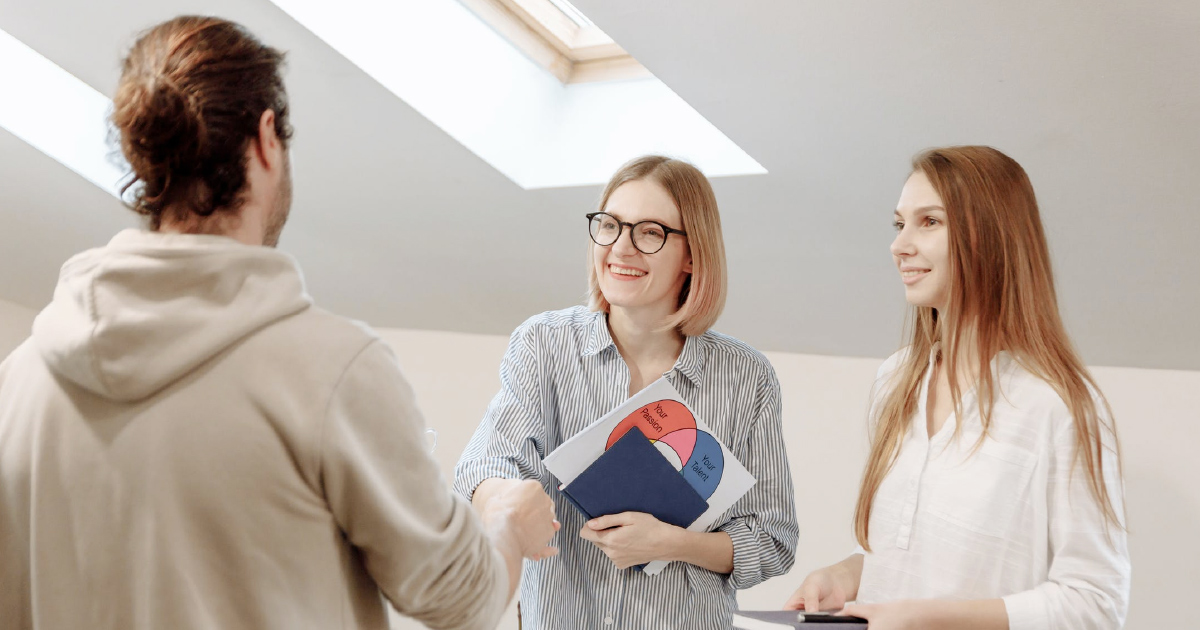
{"points": [[1002, 291]]}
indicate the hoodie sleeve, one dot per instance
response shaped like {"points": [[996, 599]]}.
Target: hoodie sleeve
{"points": [[424, 547]]}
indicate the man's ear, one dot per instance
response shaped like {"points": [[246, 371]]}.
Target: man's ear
{"points": [[267, 146]]}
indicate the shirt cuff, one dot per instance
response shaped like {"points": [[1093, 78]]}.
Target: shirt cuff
{"points": [[746, 558], [1026, 611], [467, 478]]}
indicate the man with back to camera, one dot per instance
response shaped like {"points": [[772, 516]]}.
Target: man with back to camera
{"points": [[187, 442]]}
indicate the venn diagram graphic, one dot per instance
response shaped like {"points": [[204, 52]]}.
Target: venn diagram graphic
{"points": [[672, 429]]}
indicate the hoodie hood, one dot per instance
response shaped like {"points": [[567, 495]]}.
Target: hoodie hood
{"points": [[129, 319]]}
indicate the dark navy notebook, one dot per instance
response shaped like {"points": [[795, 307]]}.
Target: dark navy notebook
{"points": [[632, 476]]}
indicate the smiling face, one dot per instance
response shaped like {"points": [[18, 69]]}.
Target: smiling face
{"points": [[921, 250], [628, 278]]}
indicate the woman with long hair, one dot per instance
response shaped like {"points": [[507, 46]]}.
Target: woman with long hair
{"points": [[656, 273], [992, 497]]}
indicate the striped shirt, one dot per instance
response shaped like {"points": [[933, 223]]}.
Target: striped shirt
{"points": [[562, 372]]}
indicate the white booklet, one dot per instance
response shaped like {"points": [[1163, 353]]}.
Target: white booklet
{"points": [[685, 440]]}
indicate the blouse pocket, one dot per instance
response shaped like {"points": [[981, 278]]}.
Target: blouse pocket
{"points": [[981, 491]]}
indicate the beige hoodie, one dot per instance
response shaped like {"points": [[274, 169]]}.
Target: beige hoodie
{"points": [[186, 442]]}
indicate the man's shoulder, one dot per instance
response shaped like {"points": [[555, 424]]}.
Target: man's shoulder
{"points": [[22, 359], [315, 334]]}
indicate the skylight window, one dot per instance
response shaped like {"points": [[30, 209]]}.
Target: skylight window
{"points": [[58, 114], [570, 11], [456, 70], [559, 37]]}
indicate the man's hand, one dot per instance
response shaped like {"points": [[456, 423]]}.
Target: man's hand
{"points": [[521, 512]]}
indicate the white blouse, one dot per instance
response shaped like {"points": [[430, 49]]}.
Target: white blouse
{"points": [[1009, 520]]}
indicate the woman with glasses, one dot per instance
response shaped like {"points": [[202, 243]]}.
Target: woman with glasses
{"points": [[992, 497], [656, 274]]}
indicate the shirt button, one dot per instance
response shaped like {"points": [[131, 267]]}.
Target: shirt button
{"points": [[608, 620]]}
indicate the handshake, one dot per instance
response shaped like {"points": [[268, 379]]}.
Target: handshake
{"points": [[518, 517]]}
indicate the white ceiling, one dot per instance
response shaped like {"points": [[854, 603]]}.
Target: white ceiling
{"points": [[397, 224]]}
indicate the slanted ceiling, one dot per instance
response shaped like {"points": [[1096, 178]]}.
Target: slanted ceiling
{"points": [[397, 224]]}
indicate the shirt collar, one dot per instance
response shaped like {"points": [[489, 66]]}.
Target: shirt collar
{"points": [[1000, 363], [690, 362], [598, 338]]}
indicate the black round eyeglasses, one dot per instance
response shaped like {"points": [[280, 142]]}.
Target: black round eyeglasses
{"points": [[647, 236]]}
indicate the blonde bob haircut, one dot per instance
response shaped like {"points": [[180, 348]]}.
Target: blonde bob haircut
{"points": [[703, 295]]}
